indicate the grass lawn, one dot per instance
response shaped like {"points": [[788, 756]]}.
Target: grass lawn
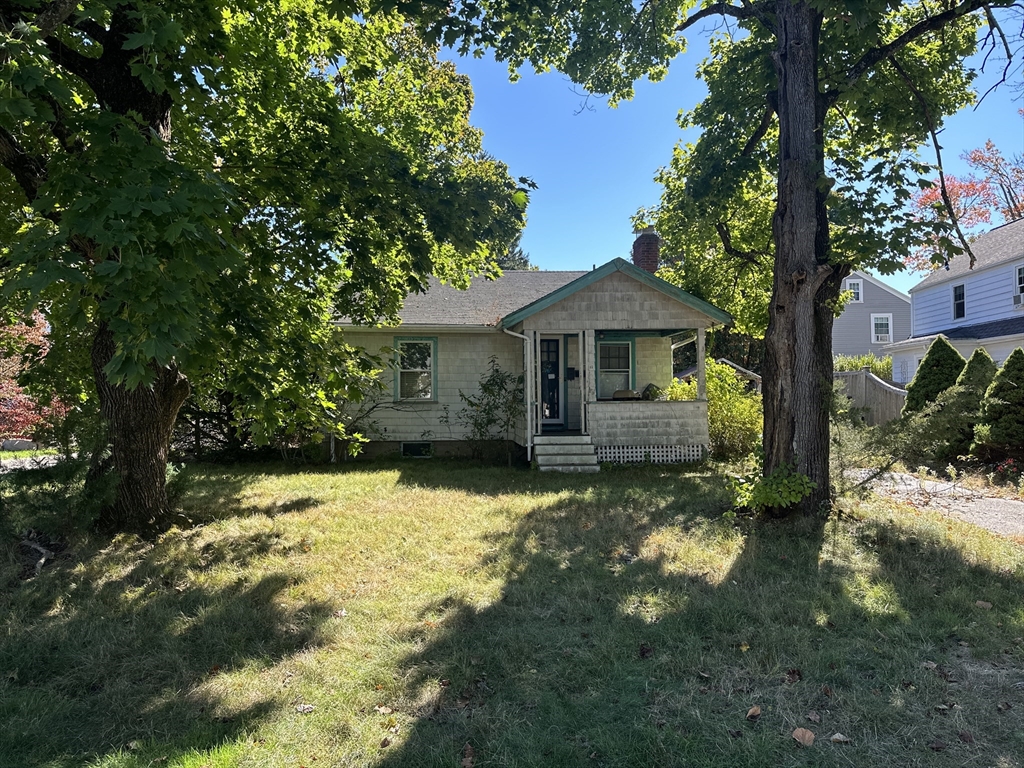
{"points": [[392, 614]]}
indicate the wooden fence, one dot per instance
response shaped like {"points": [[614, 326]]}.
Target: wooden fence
{"points": [[881, 400]]}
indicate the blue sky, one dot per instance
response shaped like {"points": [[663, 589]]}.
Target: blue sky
{"points": [[595, 166]]}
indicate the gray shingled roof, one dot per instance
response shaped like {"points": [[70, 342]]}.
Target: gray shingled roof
{"points": [[485, 302], [990, 330], [1001, 244]]}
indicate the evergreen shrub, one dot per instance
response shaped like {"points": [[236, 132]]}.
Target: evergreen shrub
{"points": [[1001, 431], [938, 371]]}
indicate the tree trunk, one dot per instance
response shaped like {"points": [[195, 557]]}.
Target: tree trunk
{"points": [[140, 422], [798, 364]]}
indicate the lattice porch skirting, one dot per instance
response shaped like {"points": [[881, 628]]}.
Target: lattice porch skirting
{"points": [[654, 454]]}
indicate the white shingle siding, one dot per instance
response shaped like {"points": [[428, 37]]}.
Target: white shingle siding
{"points": [[620, 302], [461, 362], [681, 422]]}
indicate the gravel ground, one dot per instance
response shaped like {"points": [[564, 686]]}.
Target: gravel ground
{"points": [[999, 515], [7, 465]]}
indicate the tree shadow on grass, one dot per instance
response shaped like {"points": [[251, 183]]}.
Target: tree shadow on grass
{"points": [[123, 649], [635, 628]]}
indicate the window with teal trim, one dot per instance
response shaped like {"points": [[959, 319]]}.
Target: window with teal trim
{"points": [[613, 368], [416, 360]]}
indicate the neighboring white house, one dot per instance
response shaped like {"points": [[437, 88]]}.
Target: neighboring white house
{"points": [[979, 307], [586, 344], [875, 315]]}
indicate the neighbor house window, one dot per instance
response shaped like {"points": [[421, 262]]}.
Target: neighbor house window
{"points": [[854, 286], [959, 302], [1020, 280], [881, 329], [416, 368], [613, 368]]}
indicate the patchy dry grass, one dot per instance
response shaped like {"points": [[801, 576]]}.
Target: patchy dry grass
{"points": [[388, 615]]}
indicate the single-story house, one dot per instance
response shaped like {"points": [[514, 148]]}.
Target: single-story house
{"points": [[587, 343]]}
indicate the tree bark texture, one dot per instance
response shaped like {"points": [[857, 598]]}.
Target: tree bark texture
{"points": [[140, 422], [798, 370]]}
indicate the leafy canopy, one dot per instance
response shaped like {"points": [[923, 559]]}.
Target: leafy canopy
{"points": [[259, 168]]}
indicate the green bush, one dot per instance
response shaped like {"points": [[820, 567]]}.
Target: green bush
{"points": [[1001, 431], [938, 371], [880, 366], [772, 493], [735, 415]]}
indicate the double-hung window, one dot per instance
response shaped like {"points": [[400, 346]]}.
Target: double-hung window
{"points": [[415, 377], [614, 369], [959, 302], [854, 287], [1020, 281], [881, 329]]}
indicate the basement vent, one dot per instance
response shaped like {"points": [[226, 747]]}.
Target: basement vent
{"points": [[422, 450], [654, 454]]}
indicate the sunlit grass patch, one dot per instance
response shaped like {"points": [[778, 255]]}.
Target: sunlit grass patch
{"points": [[387, 615]]}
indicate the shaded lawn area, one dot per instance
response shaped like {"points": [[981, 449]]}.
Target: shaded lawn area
{"points": [[391, 614]]}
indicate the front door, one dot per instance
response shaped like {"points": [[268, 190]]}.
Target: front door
{"points": [[551, 381]]}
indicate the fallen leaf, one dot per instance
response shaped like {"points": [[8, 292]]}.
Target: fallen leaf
{"points": [[1004, 706], [941, 708], [966, 737], [735, 733], [984, 604], [803, 737], [838, 738], [304, 709], [385, 742], [705, 675], [929, 664], [813, 716], [467, 756], [794, 676], [937, 745], [744, 647], [646, 650], [383, 710], [826, 690], [753, 713], [340, 614]]}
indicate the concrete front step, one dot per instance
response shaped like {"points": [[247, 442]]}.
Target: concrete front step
{"points": [[562, 459], [562, 440], [571, 468], [560, 448]]}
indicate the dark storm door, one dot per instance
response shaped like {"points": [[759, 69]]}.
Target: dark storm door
{"points": [[551, 381]]}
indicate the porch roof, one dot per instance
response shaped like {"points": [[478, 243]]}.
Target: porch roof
{"points": [[617, 265]]}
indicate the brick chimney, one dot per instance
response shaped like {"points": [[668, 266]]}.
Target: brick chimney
{"points": [[646, 249]]}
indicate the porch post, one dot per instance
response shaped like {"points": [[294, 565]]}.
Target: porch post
{"points": [[528, 390], [539, 421], [702, 384], [582, 377]]}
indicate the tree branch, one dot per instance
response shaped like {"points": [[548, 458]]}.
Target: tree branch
{"points": [[930, 24], [744, 11], [27, 170], [53, 16], [751, 257], [938, 157], [74, 62], [762, 129]]}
